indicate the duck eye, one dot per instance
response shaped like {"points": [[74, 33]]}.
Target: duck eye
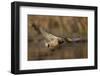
{"points": [[60, 41], [48, 45]]}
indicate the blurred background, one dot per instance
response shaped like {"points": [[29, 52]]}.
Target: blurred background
{"points": [[62, 26]]}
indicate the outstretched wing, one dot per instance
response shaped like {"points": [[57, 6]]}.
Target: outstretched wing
{"points": [[48, 36], [75, 39]]}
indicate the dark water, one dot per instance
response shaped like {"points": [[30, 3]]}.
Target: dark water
{"points": [[66, 51]]}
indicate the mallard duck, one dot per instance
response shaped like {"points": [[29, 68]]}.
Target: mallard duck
{"points": [[51, 41]]}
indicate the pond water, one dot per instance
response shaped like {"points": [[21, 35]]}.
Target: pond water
{"points": [[66, 51]]}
